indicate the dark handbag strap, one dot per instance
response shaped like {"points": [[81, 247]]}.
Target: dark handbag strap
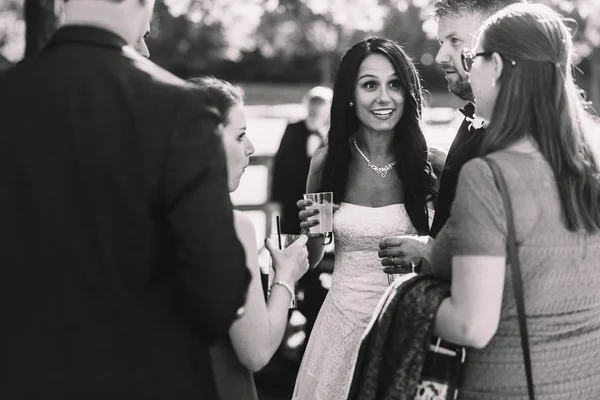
{"points": [[513, 259]]}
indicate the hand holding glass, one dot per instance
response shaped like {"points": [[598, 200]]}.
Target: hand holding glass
{"points": [[286, 240], [323, 202], [400, 254], [399, 272]]}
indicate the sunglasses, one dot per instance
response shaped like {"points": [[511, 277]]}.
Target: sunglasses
{"points": [[467, 57]]}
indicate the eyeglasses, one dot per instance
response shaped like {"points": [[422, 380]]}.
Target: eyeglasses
{"points": [[467, 57]]}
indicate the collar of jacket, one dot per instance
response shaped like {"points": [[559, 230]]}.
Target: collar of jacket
{"points": [[87, 35]]}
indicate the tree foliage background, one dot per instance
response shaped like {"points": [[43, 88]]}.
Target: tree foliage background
{"points": [[287, 41]]}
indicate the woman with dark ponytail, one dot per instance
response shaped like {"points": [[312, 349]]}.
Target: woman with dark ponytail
{"points": [[544, 143]]}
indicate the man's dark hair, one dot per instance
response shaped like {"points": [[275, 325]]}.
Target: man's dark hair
{"points": [[485, 8]]}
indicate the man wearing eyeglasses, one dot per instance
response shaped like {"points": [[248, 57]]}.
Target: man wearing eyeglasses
{"points": [[458, 22]]}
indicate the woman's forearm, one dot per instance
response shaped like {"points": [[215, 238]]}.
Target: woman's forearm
{"points": [[451, 325], [447, 324], [277, 308], [257, 334], [316, 250], [256, 339], [471, 315]]}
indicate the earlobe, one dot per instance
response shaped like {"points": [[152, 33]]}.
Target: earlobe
{"points": [[220, 129], [498, 65]]}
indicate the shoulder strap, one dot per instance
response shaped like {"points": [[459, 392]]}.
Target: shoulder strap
{"points": [[513, 260]]}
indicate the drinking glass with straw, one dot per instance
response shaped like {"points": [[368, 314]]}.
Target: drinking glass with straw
{"points": [[283, 241]]}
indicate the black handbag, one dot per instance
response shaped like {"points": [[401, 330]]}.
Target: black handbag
{"points": [[513, 260], [440, 377]]}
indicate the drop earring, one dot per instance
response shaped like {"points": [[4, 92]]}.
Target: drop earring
{"points": [[493, 83], [351, 104]]}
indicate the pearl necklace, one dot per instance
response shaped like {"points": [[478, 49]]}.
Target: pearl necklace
{"points": [[382, 171]]}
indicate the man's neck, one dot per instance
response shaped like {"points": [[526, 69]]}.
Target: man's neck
{"points": [[113, 17]]}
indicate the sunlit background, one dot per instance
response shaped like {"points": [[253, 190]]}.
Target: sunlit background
{"points": [[277, 50]]}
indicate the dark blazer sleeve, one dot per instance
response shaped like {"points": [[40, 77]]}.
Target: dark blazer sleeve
{"points": [[290, 169], [465, 147], [282, 163], [209, 260]]}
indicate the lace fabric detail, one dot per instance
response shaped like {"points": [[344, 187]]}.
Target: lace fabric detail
{"points": [[357, 285]]}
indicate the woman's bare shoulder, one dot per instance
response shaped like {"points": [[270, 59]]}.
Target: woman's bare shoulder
{"points": [[314, 172], [318, 159], [243, 226]]}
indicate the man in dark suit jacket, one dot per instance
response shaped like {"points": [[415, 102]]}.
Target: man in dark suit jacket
{"points": [[118, 254], [458, 23], [290, 171], [292, 161]]}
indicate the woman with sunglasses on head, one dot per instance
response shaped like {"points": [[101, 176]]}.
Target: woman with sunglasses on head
{"points": [[541, 137], [256, 335]]}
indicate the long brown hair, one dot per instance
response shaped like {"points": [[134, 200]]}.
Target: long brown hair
{"points": [[538, 96], [219, 93]]}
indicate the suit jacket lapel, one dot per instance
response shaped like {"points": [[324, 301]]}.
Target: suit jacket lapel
{"points": [[464, 140]]}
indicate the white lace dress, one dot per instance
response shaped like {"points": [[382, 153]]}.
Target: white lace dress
{"points": [[357, 285]]}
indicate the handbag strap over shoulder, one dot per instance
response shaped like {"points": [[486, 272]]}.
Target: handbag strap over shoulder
{"points": [[513, 259]]}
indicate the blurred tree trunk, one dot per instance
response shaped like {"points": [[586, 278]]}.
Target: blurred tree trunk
{"points": [[40, 22], [326, 67], [595, 79]]}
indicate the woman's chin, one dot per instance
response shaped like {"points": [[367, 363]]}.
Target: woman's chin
{"points": [[234, 184]]}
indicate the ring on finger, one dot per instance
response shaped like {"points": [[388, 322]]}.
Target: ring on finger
{"points": [[391, 260]]}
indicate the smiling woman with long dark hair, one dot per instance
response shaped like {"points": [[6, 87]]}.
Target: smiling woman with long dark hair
{"points": [[376, 164], [407, 143]]}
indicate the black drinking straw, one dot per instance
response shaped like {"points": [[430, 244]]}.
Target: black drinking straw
{"points": [[279, 232]]}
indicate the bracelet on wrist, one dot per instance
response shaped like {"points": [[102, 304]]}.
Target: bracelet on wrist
{"points": [[286, 285]]}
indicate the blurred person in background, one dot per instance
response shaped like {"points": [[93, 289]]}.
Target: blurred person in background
{"points": [[376, 164], [254, 338], [290, 170], [458, 22], [299, 142], [521, 75], [115, 220]]}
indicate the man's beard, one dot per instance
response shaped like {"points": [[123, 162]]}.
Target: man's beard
{"points": [[461, 88]]}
